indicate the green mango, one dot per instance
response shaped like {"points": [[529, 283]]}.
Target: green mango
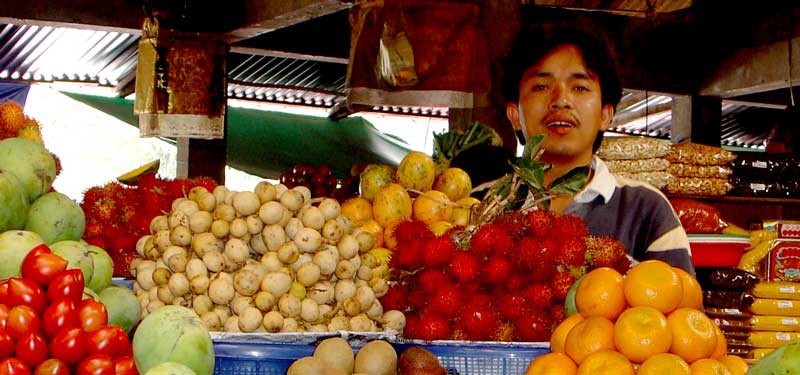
{"points": [[783, 361]]}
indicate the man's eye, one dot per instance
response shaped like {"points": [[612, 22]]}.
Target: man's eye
{"points": [[539, 87], [581, 88]]}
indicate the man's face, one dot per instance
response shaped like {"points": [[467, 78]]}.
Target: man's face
{"points": [[560, 98]]}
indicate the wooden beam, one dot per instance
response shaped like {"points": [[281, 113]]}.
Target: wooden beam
{"points": [[754, 70], [107, 15], [291, 55], [262, 17]]}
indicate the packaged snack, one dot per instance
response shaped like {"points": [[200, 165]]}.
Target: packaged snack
{"points": [[737, 335], [657, 179], [699, 154], [759, 353], [738, 344], [739, 352], [762, 235], [732, 278], [731, 325], [759, 165], [775, 323], [627, 148], [783, 261], [770, 339], [693, 170], [777, 290], [698, 186], [751, 259], [729, 314], [697, 217], [738, 299], [782, 307], [637, 165]]}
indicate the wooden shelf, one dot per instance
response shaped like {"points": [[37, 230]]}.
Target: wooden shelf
{"points": [[743, 211], [726, 198]]}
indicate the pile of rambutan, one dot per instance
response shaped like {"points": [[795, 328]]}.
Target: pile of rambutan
{"points": [[118, 215], [506, 282]]}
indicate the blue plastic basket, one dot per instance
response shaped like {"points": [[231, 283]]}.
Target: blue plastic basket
{"points": [[459, 358]]}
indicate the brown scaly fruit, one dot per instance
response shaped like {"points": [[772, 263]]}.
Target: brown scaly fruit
{"points": [[603, 251], [419, 361]]}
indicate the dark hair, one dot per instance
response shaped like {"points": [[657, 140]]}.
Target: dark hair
{"points": [[532, 45]]}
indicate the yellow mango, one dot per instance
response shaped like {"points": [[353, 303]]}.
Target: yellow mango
{"points": [[391, 202], [453, 182], [432, 206], [416, 171]]}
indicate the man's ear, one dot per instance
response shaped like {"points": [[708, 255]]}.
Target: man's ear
{"points": [[512, 112], [606, 114]]}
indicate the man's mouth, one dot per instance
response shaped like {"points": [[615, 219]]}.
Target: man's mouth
{"points": [[560, 124]]}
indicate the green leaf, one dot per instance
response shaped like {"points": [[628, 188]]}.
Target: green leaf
{"points": [[533, 177], [532, 146], [572, 182], [519, 199]]}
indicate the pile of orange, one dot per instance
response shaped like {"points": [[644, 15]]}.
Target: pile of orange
{"points": [[646, 322]]}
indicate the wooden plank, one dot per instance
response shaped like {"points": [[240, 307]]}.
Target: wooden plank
{"points": [[260, 18], [105, 15], [754, 70], [291, 55]]}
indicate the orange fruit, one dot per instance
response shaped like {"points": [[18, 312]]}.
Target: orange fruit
{"points": [[588, 336], [692, 294], [391, 202], [416, 171], [440, 227], [432, 206], [653, 283], [559, 335], [454, 182], [708, 366], [664, 364], [735, 364], [358, 209], [694, 336], [389, 240], [605, 362], [375, 229], [461, 213], [552, 364], [641, 332], [721, 348], [601, 294]]}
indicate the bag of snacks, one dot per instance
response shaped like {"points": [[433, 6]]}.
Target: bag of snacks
{"points": [[637, 165], [777, 290], [775, 323], [627, 148], [657, 179], [699, 154], [729, 314], [732, 278], [698, 186], [728, 298], [759, 353], [705, 171], [782, 307], [771, 339], [697, 217]]}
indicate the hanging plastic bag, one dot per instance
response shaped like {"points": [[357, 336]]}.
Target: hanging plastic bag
{"points": [[395, 65]]}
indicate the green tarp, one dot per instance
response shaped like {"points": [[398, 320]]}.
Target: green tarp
{"points": [[267, 143]]}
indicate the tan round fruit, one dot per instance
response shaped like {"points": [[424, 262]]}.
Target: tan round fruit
{"points": [[454, 182], [375, 229], [432, 206], [357, 208], [461, 213], [392, 202], [376, 357], [336, 353], [416, 171]]}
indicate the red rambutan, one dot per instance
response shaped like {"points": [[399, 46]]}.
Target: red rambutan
{"points": [[416, 299], [478, 321], [512, 306], [558, 313], [538, 294], [536, 326], [408, 255], [566, 226], [572, 252], [604, 251], [497, 270], [537, 256], [395, 298], [514, 222], [491, 239], [464, 266], [561, 283], [445, 302], [431, 279], [412, 230], [514, 282], [432, 327], [438, 251], [204, 181], [540, 222]]}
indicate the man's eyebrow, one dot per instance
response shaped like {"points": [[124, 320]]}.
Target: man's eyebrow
{"points": [[575, 75]]}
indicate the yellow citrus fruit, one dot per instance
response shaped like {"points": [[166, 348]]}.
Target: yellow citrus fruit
{"points": [[601, 294], [440, 227], [432, 206], [559, 335], [552, 364], [692, 294], [721, 348], [588, 336], [664, 364], [461, 213], [641, 332], [454, 182], [416, 171], [708, 366], [735, 364], [653, 283], [694, 336], [358, 209], [391, 202], [605, 362], [372, 227]]}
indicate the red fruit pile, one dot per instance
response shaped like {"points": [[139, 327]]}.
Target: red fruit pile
{"points": [[320, 181], [118, 215], [46, 327], [508, 283]]}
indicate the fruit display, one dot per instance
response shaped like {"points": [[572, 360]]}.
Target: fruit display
{"points": [[268, 260], [173, 334], [14, 123], [335, 356], [649, 318], [50, 326], [320, 181], [118, 215]]}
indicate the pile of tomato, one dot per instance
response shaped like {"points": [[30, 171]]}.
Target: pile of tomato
{"points": [[48, 328]]}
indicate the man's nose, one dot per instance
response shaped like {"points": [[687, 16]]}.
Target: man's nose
{"points": [[560, 98]]}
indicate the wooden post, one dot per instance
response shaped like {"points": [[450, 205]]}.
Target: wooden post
{"points": [[698, 119]]}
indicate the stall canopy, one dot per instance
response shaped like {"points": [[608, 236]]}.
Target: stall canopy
{"points": [[17, 92], [266, 143]]}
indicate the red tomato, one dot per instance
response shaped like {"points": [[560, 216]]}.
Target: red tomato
{"points": [[26, 292], [13, 366], [4, 292], [68, 345], [124, 346], [6, 344], [43, 268], [39, 249], [3, 315], [62, 313], [68, 284], [22, 319], [125, 366], [31, 349], [92, 315], [52, 366], [96, 364]]}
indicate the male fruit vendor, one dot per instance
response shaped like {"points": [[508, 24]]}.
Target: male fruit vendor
{"points": [[562, 82]]}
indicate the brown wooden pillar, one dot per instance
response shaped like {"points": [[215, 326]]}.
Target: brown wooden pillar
{"points": [[698, 119]]}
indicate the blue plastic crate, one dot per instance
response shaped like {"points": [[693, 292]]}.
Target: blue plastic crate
{"points": [[459, 358]]}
